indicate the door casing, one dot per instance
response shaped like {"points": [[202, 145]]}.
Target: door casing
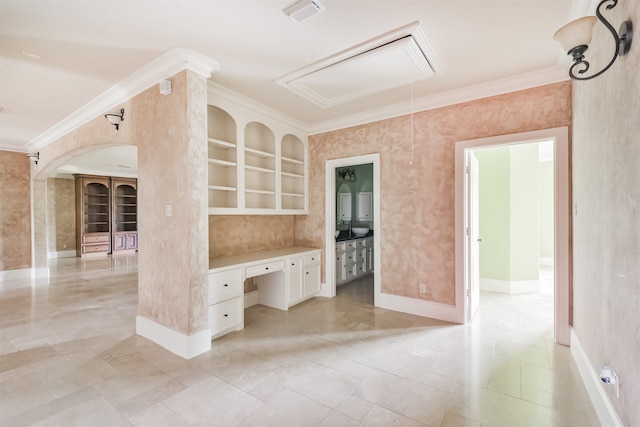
{"points": [[562, 221]]}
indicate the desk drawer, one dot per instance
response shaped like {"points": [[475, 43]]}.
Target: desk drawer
{"points": [[225, 285], [225, 315], [93, 238], [90, 249], [312, 259], [260, 269]]}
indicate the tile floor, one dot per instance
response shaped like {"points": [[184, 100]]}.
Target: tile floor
{"points": [[69, 357]]}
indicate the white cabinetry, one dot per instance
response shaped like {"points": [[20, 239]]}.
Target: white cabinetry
{"points": [[226, 305], [257, 161], [364, 206], [344, 207], [354, 258], [303, 277], [284, 277]]}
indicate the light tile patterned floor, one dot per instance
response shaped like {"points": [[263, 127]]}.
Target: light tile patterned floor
{"points": [[69, 357]]}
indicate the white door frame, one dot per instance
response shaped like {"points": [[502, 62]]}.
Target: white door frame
{"points": [[329, 287], [562, 217]]}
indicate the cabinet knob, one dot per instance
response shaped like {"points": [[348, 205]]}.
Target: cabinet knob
{"points": [[266, 268], [226, 284], [226, 315], [307, 272]]}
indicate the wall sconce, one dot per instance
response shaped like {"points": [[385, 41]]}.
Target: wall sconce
{"points": [[116, 119], [34, 156], [576, 36], [347, 174]]}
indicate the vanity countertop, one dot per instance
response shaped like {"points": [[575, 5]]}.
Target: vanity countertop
{"points": [[344, 235]]}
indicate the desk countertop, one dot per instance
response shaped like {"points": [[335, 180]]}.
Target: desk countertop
{"points": [[257, 256]]}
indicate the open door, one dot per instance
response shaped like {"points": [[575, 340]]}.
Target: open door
{"points": [[473, 239]]}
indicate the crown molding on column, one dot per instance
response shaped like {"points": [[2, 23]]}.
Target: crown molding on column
{"points": [[164, 66]]}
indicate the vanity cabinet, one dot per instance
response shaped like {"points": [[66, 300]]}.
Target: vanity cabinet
{"points": [[257, 162], [354, 259]]}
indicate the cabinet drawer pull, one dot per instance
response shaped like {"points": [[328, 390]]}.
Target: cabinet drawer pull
{"points": [[266, 268], [226, 315], [226, 285]]}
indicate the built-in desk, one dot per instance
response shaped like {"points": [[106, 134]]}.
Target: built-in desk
{"points": [[284, 277]]}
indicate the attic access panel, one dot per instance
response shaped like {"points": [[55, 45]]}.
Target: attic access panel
{"points": [[378, 66]]}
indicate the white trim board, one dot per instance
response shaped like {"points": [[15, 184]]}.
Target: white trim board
{"points": [[418, 307], [24, 273], [61, 254], [607, 415], [186, 346]]}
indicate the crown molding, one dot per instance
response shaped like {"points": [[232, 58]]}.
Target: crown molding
{"points": [[215, 90], [164, 66], [470, 93]]}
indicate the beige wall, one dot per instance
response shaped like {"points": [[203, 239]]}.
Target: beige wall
{"points": [[232, 235], [172, 159], [417, 199], [15, 211], [606, 231], [61, 215]]}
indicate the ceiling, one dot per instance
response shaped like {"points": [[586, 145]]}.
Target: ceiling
{"points": [[58, 56]]}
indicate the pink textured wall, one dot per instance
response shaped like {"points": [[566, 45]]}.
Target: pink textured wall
{"points": [[61, 214], [232, 235], [606, 230], [417, 198], [15, 211], [172, 160]]}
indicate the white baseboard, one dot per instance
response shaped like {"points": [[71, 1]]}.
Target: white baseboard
{"points": [[325, 291], [61, 254], [418, 307], [595, 388], [24, 273], [250, 299], [509, 286], [186, 346], [546, 261]]}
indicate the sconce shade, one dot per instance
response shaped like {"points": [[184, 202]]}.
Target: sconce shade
{"points": [[113, 119], [576, 33]]}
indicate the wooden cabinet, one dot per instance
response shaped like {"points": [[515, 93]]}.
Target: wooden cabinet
{"points": [[93, 207], [125, 214], [354, 258], [106, 215], [257, 163]]}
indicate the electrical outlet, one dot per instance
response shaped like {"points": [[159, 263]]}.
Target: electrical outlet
{"points": [[423, 288]]}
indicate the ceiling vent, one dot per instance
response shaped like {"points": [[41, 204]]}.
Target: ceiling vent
{"points": [[304, 9], [394, 59]]}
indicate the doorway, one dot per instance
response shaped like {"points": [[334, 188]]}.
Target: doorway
{"points": [[510, 203], [467, 286], [332, 168]]}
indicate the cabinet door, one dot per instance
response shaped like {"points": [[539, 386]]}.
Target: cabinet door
{"points": [[132, 240], [119, 242], [341, 267], [311, 280], [345, 206], [294, 269], [364, 206]]}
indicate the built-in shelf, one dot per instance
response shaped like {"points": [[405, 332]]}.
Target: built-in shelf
{"points": [[255, 165]]}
